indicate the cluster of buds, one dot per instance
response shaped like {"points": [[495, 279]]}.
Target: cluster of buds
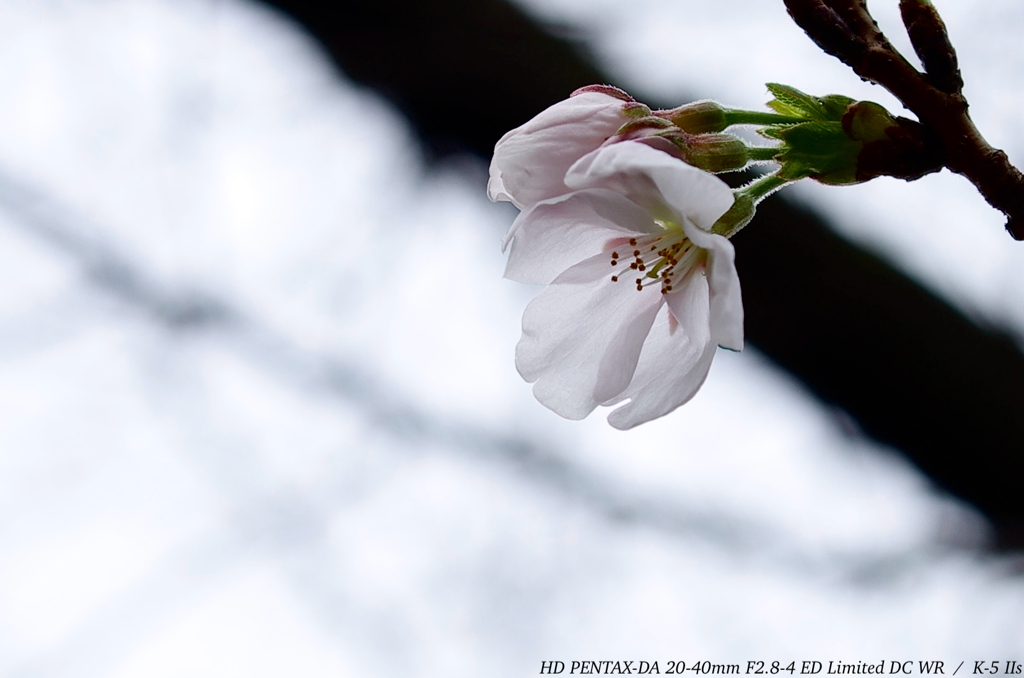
{"points": [[692, 132], [831, 139], [842, 141], [691, 140]]}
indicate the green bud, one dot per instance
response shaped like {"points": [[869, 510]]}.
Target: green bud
{"points": [[820, 150], [699, 117], [867, 121], [836, 140], [736, 217], [745, 201], [716, 152], [836, 105], [792, 102]]}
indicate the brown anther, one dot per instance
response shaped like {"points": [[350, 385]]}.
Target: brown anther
{"points": [[633, 266], [636, 253], [615, 255], [653, 247], [632, 241], [642, 267], [615, 278], [614, 263]]}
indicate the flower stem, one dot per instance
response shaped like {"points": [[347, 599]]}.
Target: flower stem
{"points": [[745, 204], [760, 188], [738, 117], [761, 153]]}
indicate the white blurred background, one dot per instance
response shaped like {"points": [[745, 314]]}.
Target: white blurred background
{"points": [[259, 415]]}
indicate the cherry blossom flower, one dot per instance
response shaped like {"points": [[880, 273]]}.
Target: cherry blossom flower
{"points": [[639, 291], [530, 161]]}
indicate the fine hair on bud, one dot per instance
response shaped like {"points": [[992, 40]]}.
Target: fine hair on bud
{"points": [[699, 117], [717, 152]]}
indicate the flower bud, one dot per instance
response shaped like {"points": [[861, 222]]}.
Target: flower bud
{"points": [[736, 217], [639, 128], [893, 146], [698, 118], [716, 152], [931, 42], [867, 121], [607, 90]]}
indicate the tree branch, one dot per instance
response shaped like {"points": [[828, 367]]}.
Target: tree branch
{"points": [[846, 30]]}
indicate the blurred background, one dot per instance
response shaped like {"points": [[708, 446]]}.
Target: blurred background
{"points": [[258, 408]]}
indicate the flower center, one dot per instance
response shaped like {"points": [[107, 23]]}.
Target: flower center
{"points": [[658, 259]]}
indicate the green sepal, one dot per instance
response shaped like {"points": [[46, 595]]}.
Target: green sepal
{"points": [[820, 150], [830, 134], [792, 102], [835, 105], [772, 132]]}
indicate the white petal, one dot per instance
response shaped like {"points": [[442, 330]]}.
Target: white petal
{"points": [[582, 337], [665, 186], [496, 186], [530, 162], [675, 358], [562, 232], [726, 299]]}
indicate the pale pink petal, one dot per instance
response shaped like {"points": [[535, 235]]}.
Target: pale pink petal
{"points": [[530, 162], [665, 186], [496, 186], [561, 232], [582, 336], [675, 358], [726, 301], [587, 340]]}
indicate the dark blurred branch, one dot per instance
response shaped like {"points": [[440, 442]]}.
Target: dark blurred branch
{"points": [[846, 30], [912, 371], [459, 69]]}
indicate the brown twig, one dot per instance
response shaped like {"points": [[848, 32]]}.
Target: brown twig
{"points": [[846, 30]]}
